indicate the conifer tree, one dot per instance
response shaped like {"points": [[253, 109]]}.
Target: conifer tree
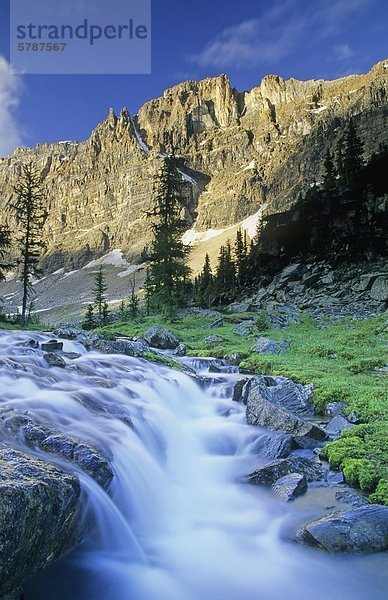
{"points": [[241, 256], [133, 303], [329, 177], [89, 321], [353, 154], [204, 285], [100, 303], [5, 244], [167, 284], [225, 284], [31, 215]]}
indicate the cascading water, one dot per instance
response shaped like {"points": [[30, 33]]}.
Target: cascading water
{"points": [[179, 522]]}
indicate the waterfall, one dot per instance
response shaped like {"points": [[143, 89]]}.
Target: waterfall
{"points": [[179, 523]]}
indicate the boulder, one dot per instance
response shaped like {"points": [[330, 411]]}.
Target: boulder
{"points": [[290, 486], [40, 509], [379, 290], [36, 434], [351, 498], [213, 339], [217, 323], [244, 328], [52, 346], [180, 350], [363, 529], [336, 425], [162, 338], [267, 346], [277, 445], [268, 474], [263, 412], [238, 389], [292, 272], [235, 358], [237, 308], [332, 409], [54, 360]]}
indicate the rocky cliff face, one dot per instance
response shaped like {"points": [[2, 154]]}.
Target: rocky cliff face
{"points": [[240, 152]]}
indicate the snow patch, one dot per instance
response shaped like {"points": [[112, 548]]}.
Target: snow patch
{"points": [[142, 145], [251, 166], [114, 258], [186, 177], [131, 269], [317, 111]]}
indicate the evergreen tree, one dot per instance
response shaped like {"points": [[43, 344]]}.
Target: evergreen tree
{"points": [[204, 285], [225, 283], [353, 154], [5, 244], [241, 256], [133, 303], [329, 177], [339, 161], [89, 322], [123, 311], [167, 284], [100, 303], [31, 215]]}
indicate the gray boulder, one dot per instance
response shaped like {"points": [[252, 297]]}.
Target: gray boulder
{"points": [[290, 486], [244, 328], [277, 445], [263, 412], [36, 434], [217, 323], [237, 308], [213, 339], [54, 360], [379, 289], [336, 425], [120, 346], [40, 510], [351, 498], [292, 272], [161, 338], [268, 474], [266, 346], [333, 409], [180, 350], [363, 529]]}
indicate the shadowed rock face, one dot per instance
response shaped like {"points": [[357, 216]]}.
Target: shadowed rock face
{"points": [[242, 151], [39, 512]]}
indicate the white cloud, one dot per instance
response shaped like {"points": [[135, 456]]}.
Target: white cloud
{"points": [[278, 31], [343, 52], [10, 92]]}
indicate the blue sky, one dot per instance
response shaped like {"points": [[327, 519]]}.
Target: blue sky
{"points": [[246, 39]]}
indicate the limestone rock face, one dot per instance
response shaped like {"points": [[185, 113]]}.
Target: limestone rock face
{"points": [[241, 153]]}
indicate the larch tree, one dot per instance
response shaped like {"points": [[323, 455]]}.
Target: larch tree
{"points": [[31, 214]]}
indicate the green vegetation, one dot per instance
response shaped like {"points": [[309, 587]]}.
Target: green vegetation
{"points": [[338, 359]]}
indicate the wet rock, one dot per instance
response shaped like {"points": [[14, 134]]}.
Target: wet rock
{"points": [[180, 350], [336, 425], [52, 346], [267, 346], [290, 486], [68, 333], [277, 445], [263, 412], [335, 477], [268, 474], [238, 389], [363, 529], [32, 344], [235, 358], [37, 435], [351, 498], [71, 355], [161, 338], [379, 290], [121, 346], [39, 513], [54, 360]]}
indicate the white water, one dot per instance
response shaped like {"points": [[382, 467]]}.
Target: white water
{"points": [[179, 523]]}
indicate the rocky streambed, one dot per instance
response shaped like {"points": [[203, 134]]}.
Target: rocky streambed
{"points": [[123, 478]]}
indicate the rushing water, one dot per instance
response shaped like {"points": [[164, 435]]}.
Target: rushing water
{"points": [[179, 522]]}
